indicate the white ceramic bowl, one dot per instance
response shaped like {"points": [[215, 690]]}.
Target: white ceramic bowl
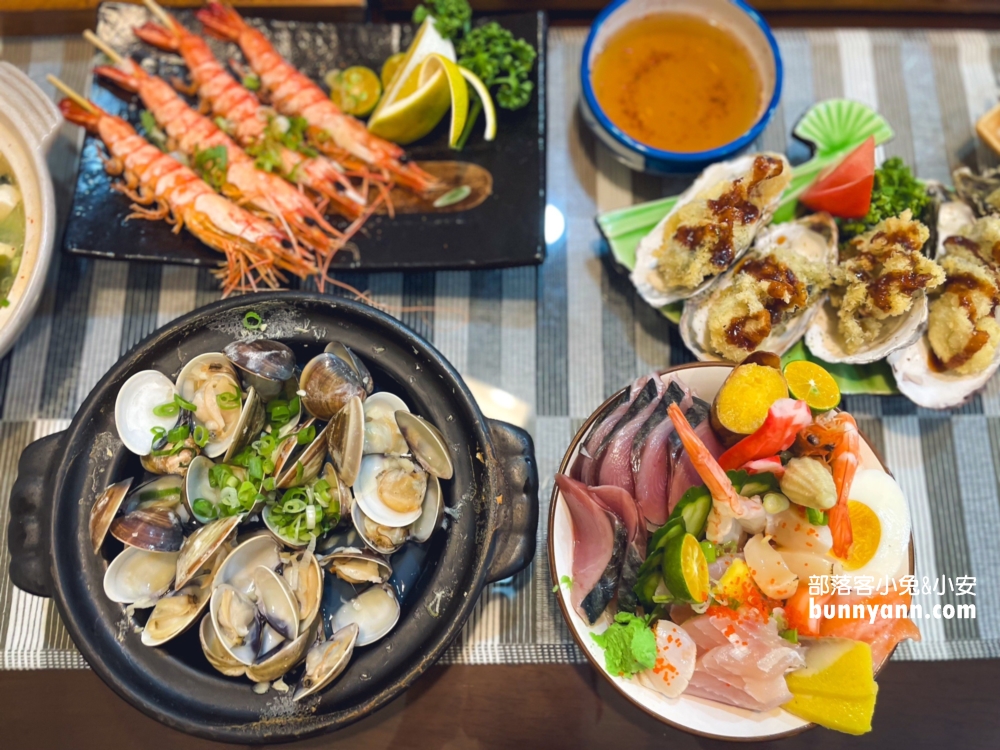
{"points": [[696, 715], [28, 123]]}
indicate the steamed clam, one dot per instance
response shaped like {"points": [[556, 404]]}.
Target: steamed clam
{"points": [[961, 349], [229, 452], [878, 301], [767, 299], [710, 226]]}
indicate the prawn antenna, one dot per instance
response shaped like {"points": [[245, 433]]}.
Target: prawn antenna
{"points": [[64, 88], [103, 46]]}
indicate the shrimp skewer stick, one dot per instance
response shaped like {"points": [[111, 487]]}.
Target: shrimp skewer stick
{"points": [[292, 93], [256, 251], [225, 164], [250, 122]]}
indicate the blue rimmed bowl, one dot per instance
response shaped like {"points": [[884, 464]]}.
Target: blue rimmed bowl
{"points": [[734, 16]]}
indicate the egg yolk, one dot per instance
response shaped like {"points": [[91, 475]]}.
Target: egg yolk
{"points": [[867, 532]]}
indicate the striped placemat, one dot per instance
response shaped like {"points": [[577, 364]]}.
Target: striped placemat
{"points": [[565, 335]]}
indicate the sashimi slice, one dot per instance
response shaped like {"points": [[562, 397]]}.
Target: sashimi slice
{"points": [[584, 466], [622, 504], [650, 457], [705, 685], [628, 576], [676, 655], [615, 461], [883, 634], [599, 541]]}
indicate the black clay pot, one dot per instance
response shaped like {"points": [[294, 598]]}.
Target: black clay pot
{"points": [[490, 536]]}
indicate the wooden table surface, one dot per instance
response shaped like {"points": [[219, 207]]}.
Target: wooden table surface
{"points": [[920, 705]]}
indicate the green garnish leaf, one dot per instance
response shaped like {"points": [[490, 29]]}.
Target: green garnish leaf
{"points": [[565, 581], [212, 165], [251, 81], [252, 321], [452, 18], [306, 435], [153, 132], [894, 191], [492, 53], [629, 645], [183, 403]]}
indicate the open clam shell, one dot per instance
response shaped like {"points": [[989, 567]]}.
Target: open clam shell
{"points": [[304, 576], [426, 443], [237, 622], [134, 405], [915, 376], [175, 613], [346, 440], [303, 466], [276, 602], [104, 510], [153, 529], [382, 432], [165, 491], [214, 651], [199, 548], [278, 662], [390, 490], [357, 566], [383, 539], [646, 263], [814, 237], [140, 577], [197, 486], [249, 425], [375, 611], [202, 381], [326, 660], [352, 360], [430, 512], [238, 567], [328, 383]]}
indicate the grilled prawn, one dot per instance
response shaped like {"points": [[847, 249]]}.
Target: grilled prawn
{"points": [[255, 250], [249, 120], [292, 93]]}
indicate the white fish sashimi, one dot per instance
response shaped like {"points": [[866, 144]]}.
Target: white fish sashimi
{"points": [[676, 653]]}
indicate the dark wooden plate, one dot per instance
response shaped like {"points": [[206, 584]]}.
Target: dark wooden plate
{"points": [[505, 230]]}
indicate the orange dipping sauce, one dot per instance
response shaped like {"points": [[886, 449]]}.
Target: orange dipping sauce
{"points": [[678, 83]]}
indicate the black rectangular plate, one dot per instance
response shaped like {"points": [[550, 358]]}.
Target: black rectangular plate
{"points": [[506, 230]]}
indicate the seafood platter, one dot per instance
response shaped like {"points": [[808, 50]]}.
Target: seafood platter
{"points": [[272, 516], [890, 282], [718, 537], [243, 122]]}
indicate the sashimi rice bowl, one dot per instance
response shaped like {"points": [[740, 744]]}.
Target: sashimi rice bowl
{"points": [[730, 552]]}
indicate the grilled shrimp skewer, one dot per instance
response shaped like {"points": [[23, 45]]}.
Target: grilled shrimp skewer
{"points": [[234, 172], [292, 93], [255, 249], [249, 119]]}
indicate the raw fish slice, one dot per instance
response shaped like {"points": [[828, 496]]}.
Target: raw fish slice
{"points": [[618, 501], [629, 574], [650, 456], [676, 655], [883, 634], [682, 473], [704, 633], [599, 541], [675, 393], [705, 685], [615, 461], [583, 467]]}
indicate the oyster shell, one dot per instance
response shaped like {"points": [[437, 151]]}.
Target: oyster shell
{"points": [[812, 237], [917, 379], [692, 206]]}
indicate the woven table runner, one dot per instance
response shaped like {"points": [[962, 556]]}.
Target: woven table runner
{"points": [[565, 335]]}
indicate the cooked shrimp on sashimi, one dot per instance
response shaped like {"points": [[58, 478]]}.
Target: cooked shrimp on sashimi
{"points": [[293, 93], [247, 120], [256, 251]]}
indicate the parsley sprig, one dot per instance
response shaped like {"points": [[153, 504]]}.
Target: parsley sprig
{"points": [[894, 191]]}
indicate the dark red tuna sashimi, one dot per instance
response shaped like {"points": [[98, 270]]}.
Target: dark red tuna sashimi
{"points": [[599, 541], [615, 461]]}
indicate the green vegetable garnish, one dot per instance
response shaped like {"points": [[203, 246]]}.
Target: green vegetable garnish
{"points": [[251, 81], [452, 18], [791, 635], [306, 435], [183, 403], [252, 321], [158, 432], [179, 434], [894, 191], [564, 581], [212, 165], [817, 517], [629, 645], [169, 409], [201, 436], [228, 400], [153, 133]]}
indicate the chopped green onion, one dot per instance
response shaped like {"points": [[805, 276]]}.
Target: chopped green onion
{"points": [[255, 468], [268, 484], [791, 635], [179, 434], [147, 495], [299, 471], [158, 433], [293, 506], [169, 409], [306, 435], [252, 321], [204, 508], [218, 475], [229, 497], [817, 517], [251, 81], [228, 400], [201, 436], [183, 403]]}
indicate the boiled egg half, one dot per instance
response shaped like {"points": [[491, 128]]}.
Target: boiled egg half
{"points": [[880, 525]]}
